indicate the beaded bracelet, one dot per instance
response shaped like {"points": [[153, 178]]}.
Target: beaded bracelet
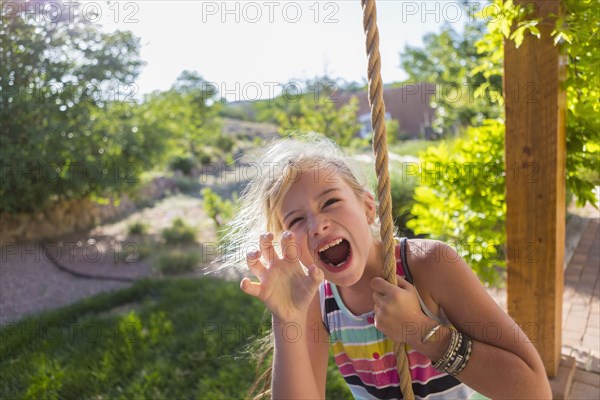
{"points": [[453, 342], [466, 357], [457, 355]]}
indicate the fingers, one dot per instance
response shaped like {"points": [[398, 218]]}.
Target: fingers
{"points": [[289, 248], [403, 283], [315, 274], [266, 247], [254, 263], [251, 288], [384, 287], [380, 285]]}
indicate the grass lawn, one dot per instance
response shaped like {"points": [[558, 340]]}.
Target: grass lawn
{"points": [[174, 338]]}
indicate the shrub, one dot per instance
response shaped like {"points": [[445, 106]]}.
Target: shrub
{"points": [[186, 184], [402, 191], [137, 228], [224, 143], [460, 197], [218, 209], [185, 164], [179, 233], [177, 261]]}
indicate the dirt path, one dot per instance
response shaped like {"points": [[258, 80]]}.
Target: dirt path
{"points": [[35, 277]]}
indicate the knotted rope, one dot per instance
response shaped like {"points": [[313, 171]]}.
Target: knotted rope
{"points": [[381, 168]]}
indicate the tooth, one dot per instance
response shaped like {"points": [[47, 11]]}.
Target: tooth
{"points": [[338, 241]]}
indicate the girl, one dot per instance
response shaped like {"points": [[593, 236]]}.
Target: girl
{"points": [[324, 285]]}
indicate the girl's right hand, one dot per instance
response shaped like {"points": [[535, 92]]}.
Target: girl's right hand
{"points": [[284, 287]]}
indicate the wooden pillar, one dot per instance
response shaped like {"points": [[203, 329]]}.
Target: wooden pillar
{"points": [[535, 185]]}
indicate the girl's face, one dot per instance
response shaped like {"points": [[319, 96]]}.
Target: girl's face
{"points": [[330, 223]]}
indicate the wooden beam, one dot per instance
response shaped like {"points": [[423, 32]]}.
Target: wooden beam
{"points": [[535, 184]]}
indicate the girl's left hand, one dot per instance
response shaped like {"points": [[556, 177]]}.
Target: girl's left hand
{"points": [[398, 313]]}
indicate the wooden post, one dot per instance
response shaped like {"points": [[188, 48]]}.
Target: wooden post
{"points": [[535, 184]]}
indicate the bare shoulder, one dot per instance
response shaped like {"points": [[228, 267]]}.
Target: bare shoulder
{"points": [[438, 270], [425, 256]]}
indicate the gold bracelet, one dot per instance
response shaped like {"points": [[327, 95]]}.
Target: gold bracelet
{"points": [[430, 333]]}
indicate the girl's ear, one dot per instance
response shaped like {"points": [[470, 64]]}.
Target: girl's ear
{"points": [[370, 208]]}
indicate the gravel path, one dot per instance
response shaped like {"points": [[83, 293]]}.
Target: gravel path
{"points": [[36, 277], [30, 283]]}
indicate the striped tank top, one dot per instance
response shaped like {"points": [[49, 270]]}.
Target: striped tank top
{"points": [[366, 359]]}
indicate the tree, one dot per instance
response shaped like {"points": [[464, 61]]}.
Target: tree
{"points": [[310, 108], [186, 116], [447, 60], [578, 33], [471, 211], [57, 76], [460, 197], [323, 116]]}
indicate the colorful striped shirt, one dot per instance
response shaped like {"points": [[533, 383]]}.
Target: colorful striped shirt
{"points": [[366, 359]]}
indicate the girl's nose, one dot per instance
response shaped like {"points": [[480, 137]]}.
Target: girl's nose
{"points": [[317, 225]]}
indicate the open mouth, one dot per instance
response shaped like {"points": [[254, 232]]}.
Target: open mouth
{"points": [[335, 254]]}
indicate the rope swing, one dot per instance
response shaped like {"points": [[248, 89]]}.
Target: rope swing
{"points": [[381, 168]]}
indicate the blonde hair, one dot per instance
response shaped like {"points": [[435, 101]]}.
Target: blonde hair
{"points": [[277, 169]]}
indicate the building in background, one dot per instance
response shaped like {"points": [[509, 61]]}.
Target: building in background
{"points": [[409, 104]]}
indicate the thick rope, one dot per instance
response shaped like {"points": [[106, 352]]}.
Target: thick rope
{"points": [[383, 177]]}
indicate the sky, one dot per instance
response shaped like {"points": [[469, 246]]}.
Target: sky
{"points": [[252, 49]]}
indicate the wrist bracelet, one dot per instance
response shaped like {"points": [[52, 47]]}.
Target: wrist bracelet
{"points": [[457, 355], [451, 347], [430, 333]]}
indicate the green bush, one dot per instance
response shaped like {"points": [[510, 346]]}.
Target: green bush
{"points": [[177, 261], [62, 136], [224, 143], [186, 184], [137, 228], [460, 197], [402, 191], [179, 233], [185, 164], [218, 209]]}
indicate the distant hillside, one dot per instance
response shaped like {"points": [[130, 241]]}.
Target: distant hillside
{"points": [[237, 127]]}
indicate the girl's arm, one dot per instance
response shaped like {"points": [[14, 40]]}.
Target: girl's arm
{"points": [[301, 356], [301, 345], [503, 363]]}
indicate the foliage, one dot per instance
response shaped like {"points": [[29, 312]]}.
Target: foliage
{"points": [[323, 116], [402, 189], [180, 339], [186, 184], [577, 32], [169, 346], [449, 60], [410, 147], [217, 208], [471, 213], [60, 137], [46, 382], [460, 197], [580, 31], [310, 108], [177, 261], [184, 163], [179, 233], [186, 116], [137, 228]]}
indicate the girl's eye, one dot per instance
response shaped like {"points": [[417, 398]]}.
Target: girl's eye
{"points": [[330, 202], [293, 222]]}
